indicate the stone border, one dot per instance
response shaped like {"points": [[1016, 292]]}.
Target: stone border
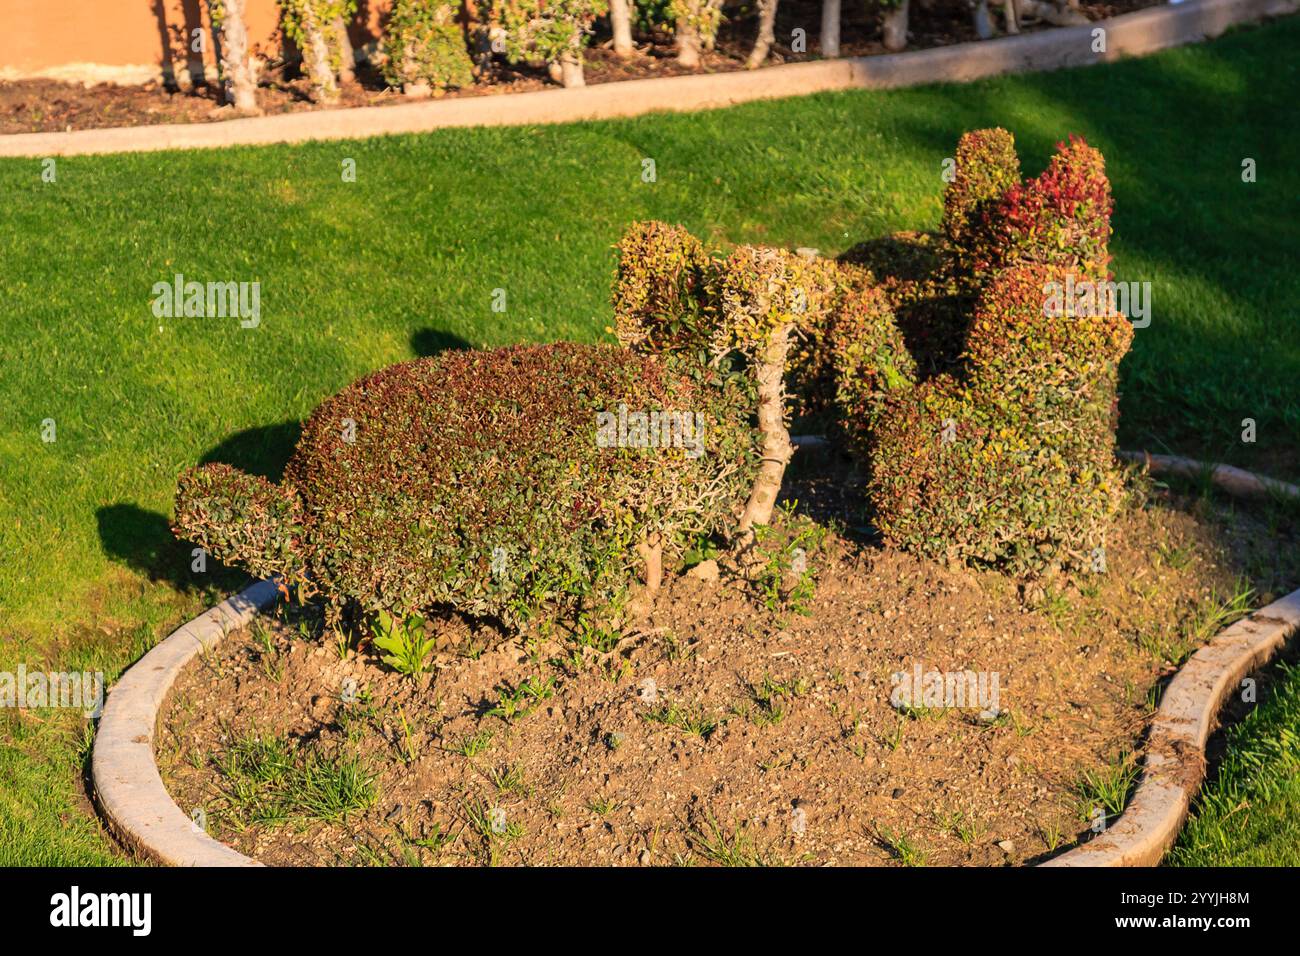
{"points": [[1175, 753], [130, 791], [128, 787], [1130, 34]]}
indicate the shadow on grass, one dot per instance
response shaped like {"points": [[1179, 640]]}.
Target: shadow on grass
{"points": [[427, 343], [143, 540]]}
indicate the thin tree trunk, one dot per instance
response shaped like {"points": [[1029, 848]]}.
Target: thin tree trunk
{"points": [[241, 83], [571, 71], [1010, 21], [317, 54], [347, 55], [766, 33], [688, 45], [774, 438], [652, 553], [620, 21], [830, 36], [984, 28], [894, 27]]}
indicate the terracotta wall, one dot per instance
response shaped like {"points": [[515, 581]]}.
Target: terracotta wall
{"points": [[129, 40]]}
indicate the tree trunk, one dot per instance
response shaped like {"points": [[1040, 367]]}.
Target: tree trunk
{"points": [[830, 37], [1010, 21], [774, 438], [894, 27], [688, 45], [241, 84], [347, 56], [1051, 13], [317, 54], [766, 34], [984, 28], [652, 553], [571, 71], [620, 21]]}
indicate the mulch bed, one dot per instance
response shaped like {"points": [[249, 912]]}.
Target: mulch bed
{"points": [[724, 730]]}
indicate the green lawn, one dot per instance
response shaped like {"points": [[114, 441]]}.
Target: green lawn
{"points": [[405, 260], [1248, 815]]}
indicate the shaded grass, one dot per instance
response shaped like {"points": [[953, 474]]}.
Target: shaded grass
{"points": [[1249, 813], [405, 261]]}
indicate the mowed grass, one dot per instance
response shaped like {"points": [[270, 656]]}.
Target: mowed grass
{"points": [[406, 260], [1250, 814]]}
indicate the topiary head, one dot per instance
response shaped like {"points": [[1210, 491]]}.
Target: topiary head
{"points": [[242, 520], [663, 295]]}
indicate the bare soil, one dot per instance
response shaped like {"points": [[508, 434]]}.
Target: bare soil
{"points": [[30, 106], [725, 730]]}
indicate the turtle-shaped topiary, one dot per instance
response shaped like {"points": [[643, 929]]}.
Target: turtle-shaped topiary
{"points": [[492, 482]]}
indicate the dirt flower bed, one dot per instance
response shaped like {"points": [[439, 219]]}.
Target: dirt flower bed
{"points": [[34, 106], [742, 723]]}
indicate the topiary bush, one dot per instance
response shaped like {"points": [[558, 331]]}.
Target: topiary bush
{"points": [[499, 483], [1012, 467], [767, 309], [871, 363], [1061, 217], [1001, 450], [664, 295], [424, 45]]}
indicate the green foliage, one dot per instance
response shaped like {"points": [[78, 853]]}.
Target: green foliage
{"points": [[785, 573], [296, 17], [269, 781], [405, 642], [425, 44], [242, 520], [474, 480], [703, 15], [986, 168], [1005, 457], [547, 30]]}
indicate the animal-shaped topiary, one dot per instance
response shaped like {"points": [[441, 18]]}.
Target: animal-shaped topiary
{"points": [[497, 483], [1008, 458]]}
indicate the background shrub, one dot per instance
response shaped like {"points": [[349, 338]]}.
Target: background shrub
{"points": [[424, 44], [457, 456], [547, 30]]}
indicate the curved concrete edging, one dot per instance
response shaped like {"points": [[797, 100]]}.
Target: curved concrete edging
{"points": [[1174, 766], [128, 787], [130, 790], [1130, 34]]}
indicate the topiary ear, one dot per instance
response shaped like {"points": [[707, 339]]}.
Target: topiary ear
{"points": [[241, 520], [986, 167], [1061, 217]]}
